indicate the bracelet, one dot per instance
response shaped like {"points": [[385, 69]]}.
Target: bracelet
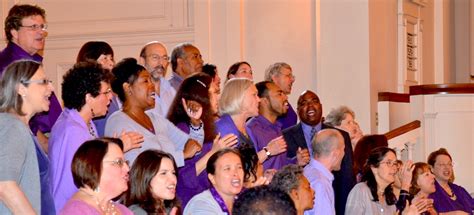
{"points": [[194, 128], [267, 152]]}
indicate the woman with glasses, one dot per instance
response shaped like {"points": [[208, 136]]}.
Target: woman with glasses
{"points": [[86, 94], [153, 180], [448, 197], [374, 194], [100, 178], [24, 91]]}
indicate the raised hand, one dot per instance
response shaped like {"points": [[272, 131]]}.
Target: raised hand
{"points": [[191, 148], [405, 173], [131, 140], [227, 141], [193, 109], [302, 156], [277, 146]]}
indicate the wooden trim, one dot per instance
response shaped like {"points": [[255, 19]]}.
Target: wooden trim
{"points": [[442, 89], [394, 97], [403, 129]]}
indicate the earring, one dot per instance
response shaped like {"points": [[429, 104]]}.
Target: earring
{"points": [[97, 189], [24, 95], [93, 114]]}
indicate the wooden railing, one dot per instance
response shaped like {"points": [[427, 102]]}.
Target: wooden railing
{"points": [[404, 138], [403, 129]]}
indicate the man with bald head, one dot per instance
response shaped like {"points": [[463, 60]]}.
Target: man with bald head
{"points": [[154, 57], [185, 61], [328, 149], [310, 111]]}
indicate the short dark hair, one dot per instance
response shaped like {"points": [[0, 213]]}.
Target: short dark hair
{"points": [[211, 163], [262, 88], [234, 68], [15, 74], [287, 178], [249, 161], [17, 13], [92, 50], [125, 71], [373, 160], [194, 88], [87, 169], [179, 52], [262, 200], [81, 79], [364, 147], [144, 169], [209, 69]]}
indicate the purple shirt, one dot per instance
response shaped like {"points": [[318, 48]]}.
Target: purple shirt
{"points": [[41, 121], [443, 203], [190, 184], [225, 125], [263, 131], [67, 135], [47, 201], [289, 119]]}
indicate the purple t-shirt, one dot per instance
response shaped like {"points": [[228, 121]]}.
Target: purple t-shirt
{"points": [[41, 121], [263, 131]]}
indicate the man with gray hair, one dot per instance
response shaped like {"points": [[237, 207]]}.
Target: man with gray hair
{"points": [[328, 149], [154, 57], [185, 60], [282, 75]]}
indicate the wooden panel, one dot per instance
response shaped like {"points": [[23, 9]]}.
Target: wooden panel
{"points": [[442, 89]]}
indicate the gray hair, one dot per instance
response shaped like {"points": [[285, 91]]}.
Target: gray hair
{"points": [[178, 52], [287, 178], [233, 96], [274, 69], [335, 117], [13, 76], [325, 142]]}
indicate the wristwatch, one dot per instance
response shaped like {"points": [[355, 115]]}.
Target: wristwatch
{"points": [[267, 152]]}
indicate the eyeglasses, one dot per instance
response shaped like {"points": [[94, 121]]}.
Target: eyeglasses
{"points": [[36, 27], [106, 91], [390, 163], [119, 162], [444, 164], [40, 82], [156, 57], [291, 76]]}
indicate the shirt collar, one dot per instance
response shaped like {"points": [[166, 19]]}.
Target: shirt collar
{"points": [[319, 166]]}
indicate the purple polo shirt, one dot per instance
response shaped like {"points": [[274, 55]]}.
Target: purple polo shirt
{"points": [[289, 119], [263, 131], [41, 121]]}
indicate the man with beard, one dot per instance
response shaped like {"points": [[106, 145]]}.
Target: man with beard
{"points": [[282, 75], [185, 61], [266, 130], [26, 31], [299, 136], [154, 57]]}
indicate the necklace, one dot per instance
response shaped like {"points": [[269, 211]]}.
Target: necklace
{"points": [[450, 192], [143, 123], [108, 209], [91, 130]]}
